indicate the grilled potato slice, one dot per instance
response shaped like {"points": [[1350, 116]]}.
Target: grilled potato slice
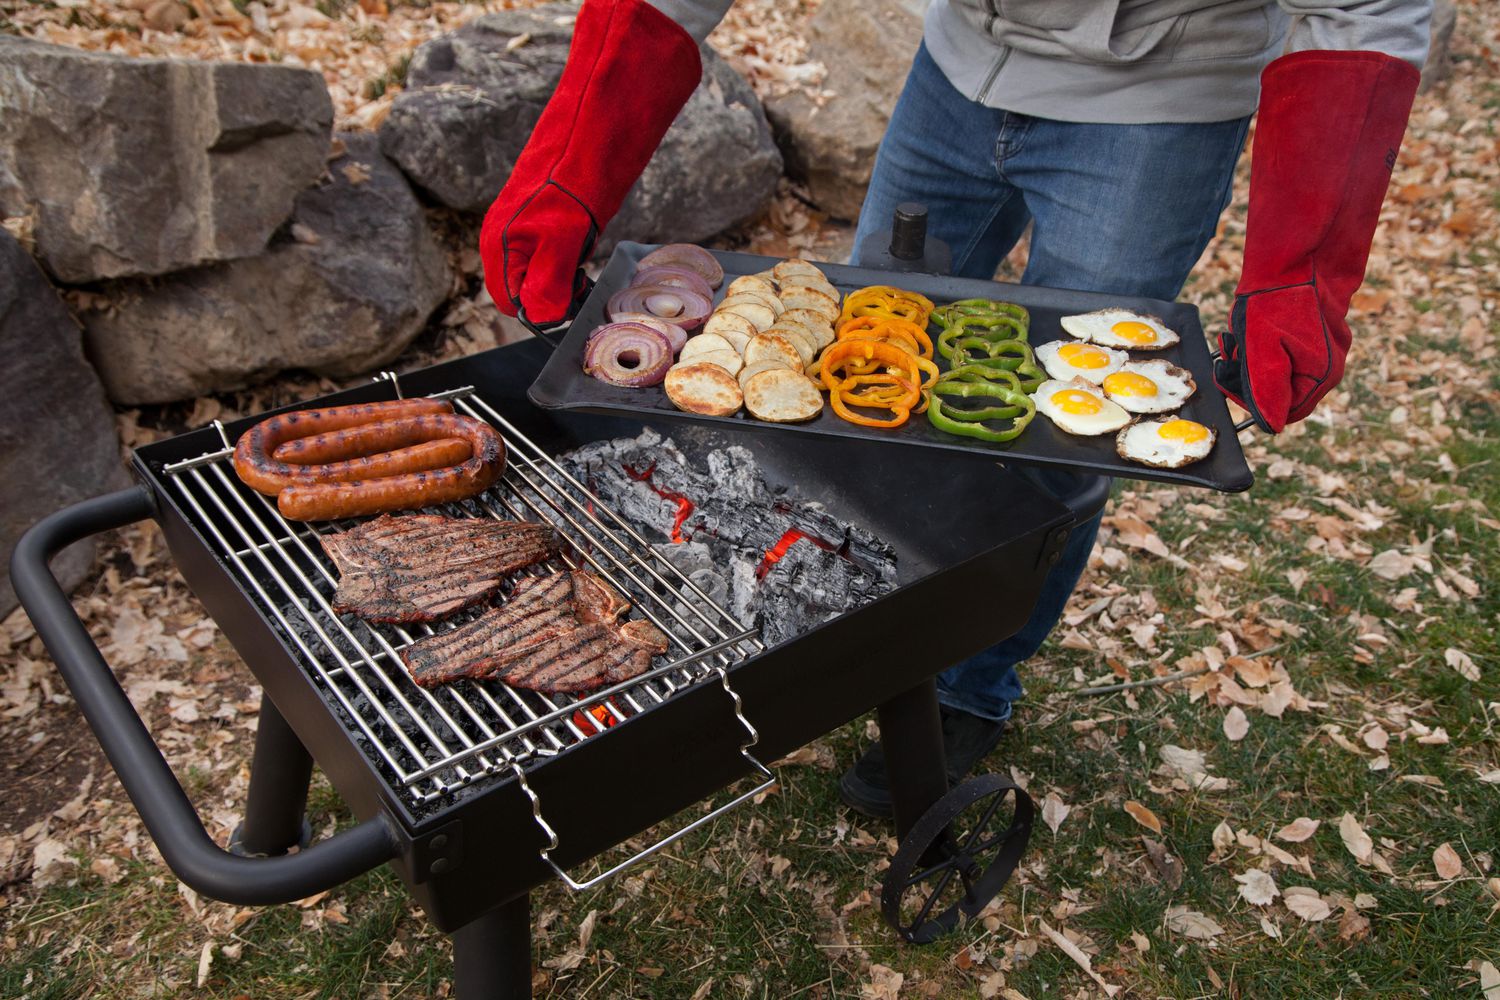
{"points": [[767, 346], [704, 343], [732, 327], [814, 321], [767, 299], [748, 283], [801, 337], [758, 313], [788, 271], [756, 367], [729, 360], [803, 297], [782, 396], [703, 388]]}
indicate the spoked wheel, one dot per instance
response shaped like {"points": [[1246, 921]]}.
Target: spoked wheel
{"points": [[957, 857]]}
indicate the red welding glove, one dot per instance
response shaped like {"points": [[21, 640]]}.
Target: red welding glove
{"points": [[1325, 142], [630, 70]]}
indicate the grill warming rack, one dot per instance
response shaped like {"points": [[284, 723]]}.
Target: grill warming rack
{"points": [[432, 744]]}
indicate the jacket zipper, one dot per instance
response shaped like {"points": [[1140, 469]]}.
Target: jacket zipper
{"points": [[989, 81]]}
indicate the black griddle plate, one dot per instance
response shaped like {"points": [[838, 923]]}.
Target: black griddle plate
{"points": [[563, 385]]}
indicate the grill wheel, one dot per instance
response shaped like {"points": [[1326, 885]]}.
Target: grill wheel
{"points": [[957, 857]]}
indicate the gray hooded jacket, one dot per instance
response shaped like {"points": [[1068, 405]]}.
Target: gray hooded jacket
{"points": [[1132, 61]]}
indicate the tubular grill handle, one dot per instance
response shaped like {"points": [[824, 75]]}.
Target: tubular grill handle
{"points": [[552, 841], [168, 814]]}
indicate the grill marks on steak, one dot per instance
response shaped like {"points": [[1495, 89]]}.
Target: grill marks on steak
{"points": [[422, 567], [558, 634]]}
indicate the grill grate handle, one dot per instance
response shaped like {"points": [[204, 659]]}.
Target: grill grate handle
{"points": [[154, 790], [756, 766]]}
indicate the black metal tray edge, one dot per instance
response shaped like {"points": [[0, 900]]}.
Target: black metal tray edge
{"points": [[562, 385]]}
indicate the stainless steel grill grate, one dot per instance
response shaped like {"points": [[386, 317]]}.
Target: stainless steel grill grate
{"points": [[433, 742]]}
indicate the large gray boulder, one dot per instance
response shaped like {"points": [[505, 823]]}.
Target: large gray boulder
{"points": [[345, 290], [867, 46], [58, 442], [145, 166], [474, 96]]}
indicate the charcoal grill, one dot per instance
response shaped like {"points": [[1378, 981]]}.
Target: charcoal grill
{"points": [[476, 794]]}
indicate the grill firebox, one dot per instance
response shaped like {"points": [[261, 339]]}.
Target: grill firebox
{"points": [[449, 785]]}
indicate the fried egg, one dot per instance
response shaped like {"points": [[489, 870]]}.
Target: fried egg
{"points": [[1121, 328], [1155, 386], [1165, 444], [1079, 407], [1066, 359]]}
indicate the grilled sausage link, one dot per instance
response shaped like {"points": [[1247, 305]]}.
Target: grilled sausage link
{"points": [[256, 466], [327, 501]]}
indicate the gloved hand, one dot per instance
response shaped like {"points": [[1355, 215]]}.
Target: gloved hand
{"points": [[630, 70], [1329, 127]]}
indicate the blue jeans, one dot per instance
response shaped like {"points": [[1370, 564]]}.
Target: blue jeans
{"points": [[1115, 208]]}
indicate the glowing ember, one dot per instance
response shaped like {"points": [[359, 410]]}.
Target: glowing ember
{"points": [[598, 717], [684, 505], [786, 541]]}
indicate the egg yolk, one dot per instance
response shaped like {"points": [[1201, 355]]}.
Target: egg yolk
{"points": [[1129, 384], [1077, 402], [1186, 431], [1082, 356], [1136, 333]]}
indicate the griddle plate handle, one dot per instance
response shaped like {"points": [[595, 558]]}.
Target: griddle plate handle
{"points": [[756, 766], [168, 814]]}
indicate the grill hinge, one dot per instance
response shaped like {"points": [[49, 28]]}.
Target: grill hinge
{"points": [[1052, 548]]}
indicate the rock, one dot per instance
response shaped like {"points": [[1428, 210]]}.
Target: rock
{"points": [[345, 290], [867, 47], [146, 166], [717, 166], [1439, 65], [58, 443], [473, 97]]}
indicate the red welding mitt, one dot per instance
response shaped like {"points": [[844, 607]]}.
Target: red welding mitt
{"points": [[1325, 142], [630, 70]]}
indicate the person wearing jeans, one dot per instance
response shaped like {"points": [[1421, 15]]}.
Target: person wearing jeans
{"points": [[1112, 128]]}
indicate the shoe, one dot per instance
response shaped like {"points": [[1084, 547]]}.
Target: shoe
{"points": [[967, 739]]}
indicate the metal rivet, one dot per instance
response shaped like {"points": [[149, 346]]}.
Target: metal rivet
{"points": [[1053, 559], [441, 866], [439, 843]]}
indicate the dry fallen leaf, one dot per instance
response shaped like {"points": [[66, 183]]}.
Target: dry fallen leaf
{"points": [[1489, 981], [1143, 816], [1077, 955], [1391, 565], [1353, 925], [1306, 903], [1298, 830], [1192, 924], [1463, 663], [885, 983], [1054, 811], [1257, 888], [1166, 865], [1236, 724], [1223, 837], [1355, 839], [1445, 859]]}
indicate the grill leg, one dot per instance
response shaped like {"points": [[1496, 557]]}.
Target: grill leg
{"points": [[279, 775], [911, 735], [492, 955]]}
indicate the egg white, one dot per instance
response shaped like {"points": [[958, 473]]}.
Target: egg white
{"points": [[1111, 416], [1141, 442], [1097, 328], [1050, 357], [1174, 386]]}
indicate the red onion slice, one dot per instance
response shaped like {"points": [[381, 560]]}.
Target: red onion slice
{"points": [[685, 308], [627, 354], [694, 258], [675, 334], [673, 277]]}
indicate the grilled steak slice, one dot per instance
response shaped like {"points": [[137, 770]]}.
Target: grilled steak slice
{"points": [[422, 567], [595, 600], [538, 612], [592, 656]]}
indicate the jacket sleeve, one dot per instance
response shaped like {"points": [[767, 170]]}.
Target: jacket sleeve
{"points": [[699, 17], [1398, 28]]}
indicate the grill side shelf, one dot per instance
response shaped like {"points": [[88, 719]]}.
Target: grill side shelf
{"points": [[430, 745]]}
